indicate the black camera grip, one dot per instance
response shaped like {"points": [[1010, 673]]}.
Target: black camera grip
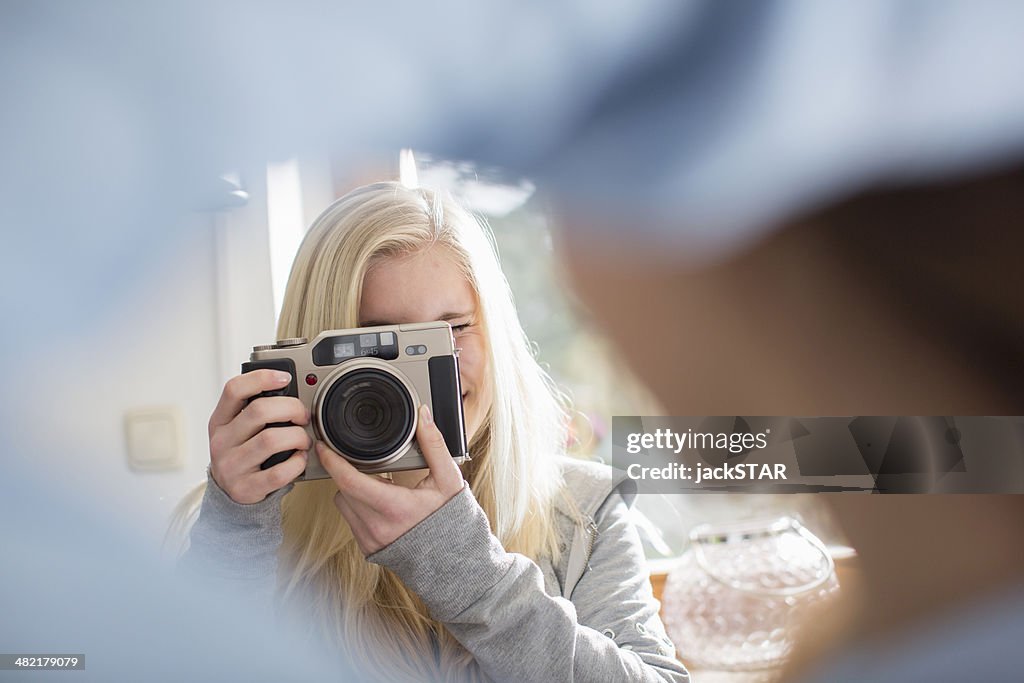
{"points": [[291, 389], [446, 394]]}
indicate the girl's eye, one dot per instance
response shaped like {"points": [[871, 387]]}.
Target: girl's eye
{"points": [[460, 328]]}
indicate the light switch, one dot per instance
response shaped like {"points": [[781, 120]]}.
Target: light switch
{"points": [[154, 437]]}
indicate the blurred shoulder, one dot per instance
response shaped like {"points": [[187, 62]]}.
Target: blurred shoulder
{"points": [[589, 484]]}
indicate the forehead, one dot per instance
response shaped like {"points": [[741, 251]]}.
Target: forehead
{"points": [[420, 287]]}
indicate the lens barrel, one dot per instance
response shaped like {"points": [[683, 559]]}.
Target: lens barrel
{"points": [[367, 414]]}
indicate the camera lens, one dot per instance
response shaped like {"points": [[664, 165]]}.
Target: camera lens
{"points": [[367, 414]]}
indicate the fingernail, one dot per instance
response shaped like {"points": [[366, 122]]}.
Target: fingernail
{"points": [[425, 414], [282, 377]]}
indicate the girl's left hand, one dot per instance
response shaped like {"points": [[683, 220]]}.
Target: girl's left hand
{"points": [[379, 511]]}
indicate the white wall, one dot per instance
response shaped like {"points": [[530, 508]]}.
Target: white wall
{"points": [[167, 344], [172, 340]]}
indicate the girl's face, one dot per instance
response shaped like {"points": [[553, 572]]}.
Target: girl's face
{"points": [[426, 286]]}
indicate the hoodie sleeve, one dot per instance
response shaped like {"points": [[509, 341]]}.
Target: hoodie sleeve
{"points": [[234, 546], [494, 601]]}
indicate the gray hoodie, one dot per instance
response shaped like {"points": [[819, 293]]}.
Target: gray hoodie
{"points": [[589, 617]]}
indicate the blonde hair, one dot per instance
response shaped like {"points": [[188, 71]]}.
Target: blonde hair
{"points": [[513, 474]]}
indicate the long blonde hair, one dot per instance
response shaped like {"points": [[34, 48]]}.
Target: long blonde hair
{"points": [[513, 474]]}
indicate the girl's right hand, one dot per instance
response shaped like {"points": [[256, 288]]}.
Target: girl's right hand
{"points": [[239, 444]]}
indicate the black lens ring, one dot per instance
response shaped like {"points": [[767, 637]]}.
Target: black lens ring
{"points": [[356, 390]]}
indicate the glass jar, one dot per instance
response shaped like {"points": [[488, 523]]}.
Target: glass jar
{"points": [[736, 595]]}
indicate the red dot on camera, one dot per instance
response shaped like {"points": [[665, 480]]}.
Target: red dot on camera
{"points": [[310, 379]]}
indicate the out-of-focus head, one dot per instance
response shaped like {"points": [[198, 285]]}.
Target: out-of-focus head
{"points": [[902, 301], [817, 212], [794, 199]]}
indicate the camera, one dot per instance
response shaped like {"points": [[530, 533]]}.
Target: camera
{"points": [[363, 388]]}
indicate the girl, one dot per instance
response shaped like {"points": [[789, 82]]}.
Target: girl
{"points": [[521, 565]]}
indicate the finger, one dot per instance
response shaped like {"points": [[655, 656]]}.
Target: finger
{"points": [[241, 388], [264, 411], [271, 479], [271, 440], [342, 504], [360, 531], [353, 511], [350, 481], [443, 469], [251, 488], [236, 464]]}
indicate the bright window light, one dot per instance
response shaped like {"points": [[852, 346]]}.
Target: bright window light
{"points": [[285, 222]]}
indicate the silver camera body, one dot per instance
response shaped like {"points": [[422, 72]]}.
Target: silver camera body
{"points": [[363, 388]]}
